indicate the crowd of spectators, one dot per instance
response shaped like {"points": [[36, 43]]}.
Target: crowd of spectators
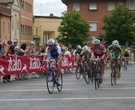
{"points": [[26, 50]]}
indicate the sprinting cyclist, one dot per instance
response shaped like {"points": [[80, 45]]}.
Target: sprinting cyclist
{"points": [[77, 54], [126, 54], [85, 54], [115, 51], [53, 51], [98, 50]]}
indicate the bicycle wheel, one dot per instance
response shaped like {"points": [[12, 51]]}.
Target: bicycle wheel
{"points": [[112, 76], [125, 66], [86, 74], [115, 75], [91, 77], [96, 80], [78, 72], [59, 87], [49, 82]]}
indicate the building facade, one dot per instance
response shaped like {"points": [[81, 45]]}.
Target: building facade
{"points": [[16, 21], [5, 19], [93, 11], [26, 21], [45, 27]]}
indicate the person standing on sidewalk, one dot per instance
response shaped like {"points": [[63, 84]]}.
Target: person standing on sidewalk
{"points": [[10, 52]]}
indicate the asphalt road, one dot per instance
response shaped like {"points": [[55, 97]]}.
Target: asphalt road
{"points": [[32, 94]]}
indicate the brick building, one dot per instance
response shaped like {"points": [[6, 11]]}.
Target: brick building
{"points": [[5, 19], [27, 21], [94, 10]]}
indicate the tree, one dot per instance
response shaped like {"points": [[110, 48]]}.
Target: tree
{"points": [[120, 25], [73, 29]]}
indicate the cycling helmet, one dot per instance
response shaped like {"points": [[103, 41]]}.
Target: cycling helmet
{"points": [[96, 42], [51, 41], [32, 43], [85, 48], [15, 41], [78, 47], [115, 43]]}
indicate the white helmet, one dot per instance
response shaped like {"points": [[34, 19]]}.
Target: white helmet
{"points": [[15, 41], [32, 43], [78, 47], [96, 42], [115, 43], [85, 48], [51, 41]]}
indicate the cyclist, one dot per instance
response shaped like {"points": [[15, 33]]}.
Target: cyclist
{"points": [[85, 54], [53, 51], [77, 55], [115, 51], [126, 54], [98, 50]]}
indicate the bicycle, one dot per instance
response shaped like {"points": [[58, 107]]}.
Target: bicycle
{"points": [[114, 74], [86, 72], [96, 73], [52, 78], [79, 70], [125, 64]]}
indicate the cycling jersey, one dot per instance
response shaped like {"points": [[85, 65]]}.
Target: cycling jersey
{"points": [[115, 53], [98, 52], [126, 53], [53, 53]]}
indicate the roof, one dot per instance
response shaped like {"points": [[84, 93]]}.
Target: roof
{"points": [[66, 1], [6, 1], [51, 17]]}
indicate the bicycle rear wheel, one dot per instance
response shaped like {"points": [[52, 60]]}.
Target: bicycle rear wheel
{"points": [[78, 72], [49, 82], [59, 87]]}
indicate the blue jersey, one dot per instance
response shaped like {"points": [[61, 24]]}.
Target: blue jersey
{"points": [[53, 53]]}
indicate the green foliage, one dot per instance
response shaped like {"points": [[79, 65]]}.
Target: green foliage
{"points": [[73, 29], [120, 25]]}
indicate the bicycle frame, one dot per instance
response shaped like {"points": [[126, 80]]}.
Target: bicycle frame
{"points": [[96, 73], [52, 78], [114, 71]]}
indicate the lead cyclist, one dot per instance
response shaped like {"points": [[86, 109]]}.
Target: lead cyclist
{"points": [[53, 51]]}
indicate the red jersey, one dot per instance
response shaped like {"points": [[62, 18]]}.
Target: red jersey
{"points": [[100, 51]]}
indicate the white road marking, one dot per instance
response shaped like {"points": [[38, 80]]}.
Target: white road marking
{"points": [[66, 99], [80, 89], [77, 83]]}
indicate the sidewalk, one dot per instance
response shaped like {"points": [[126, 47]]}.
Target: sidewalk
{"points": [[30, 76]]}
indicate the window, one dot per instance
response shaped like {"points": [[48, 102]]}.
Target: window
{"points": [[130, 4], [3, 27], [76, 6], [111, 5], [46, 37], [93, 26], [93, 5], [8, 28]]}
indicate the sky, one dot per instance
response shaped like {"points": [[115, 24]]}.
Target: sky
{"points": [[46, 7]]}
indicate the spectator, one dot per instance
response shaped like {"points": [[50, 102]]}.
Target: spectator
{"points": [[15, 42], [2, 51], [10, 52], [21, 52]]}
